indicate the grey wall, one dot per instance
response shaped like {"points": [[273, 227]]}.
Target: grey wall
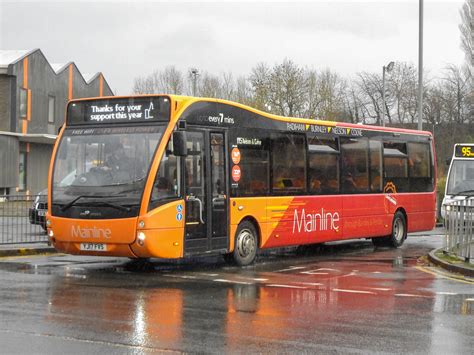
{"points": [[9, 155], [38, 167], [5, 102]]}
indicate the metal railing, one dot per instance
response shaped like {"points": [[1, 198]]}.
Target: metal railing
{"points": [[459, 227], [21, 220]]}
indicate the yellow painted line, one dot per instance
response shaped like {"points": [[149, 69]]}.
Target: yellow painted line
{"points": [[444, 275]]}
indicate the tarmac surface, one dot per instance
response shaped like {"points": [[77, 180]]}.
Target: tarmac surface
{"points": [[339, 298]]}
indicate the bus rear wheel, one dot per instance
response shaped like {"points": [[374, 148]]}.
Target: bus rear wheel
{"points": [[398, 235], [246, 244]]}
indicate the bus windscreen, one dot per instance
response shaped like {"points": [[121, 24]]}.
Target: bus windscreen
{"points": [[119, 110]]}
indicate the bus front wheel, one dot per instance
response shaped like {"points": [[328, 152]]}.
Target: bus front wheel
{"points": [[398, 235], [246, 244]]}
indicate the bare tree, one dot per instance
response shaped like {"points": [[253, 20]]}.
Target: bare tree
{"points": [[143, 85], [260, 82], [287, 89], [467, 32]]}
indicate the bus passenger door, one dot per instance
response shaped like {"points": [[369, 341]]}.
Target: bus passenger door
{"points": [[195, 194], [206, 193], [218, 188]]}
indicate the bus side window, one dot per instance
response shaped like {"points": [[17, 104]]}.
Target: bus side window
{"points": [[323, 156], [355, 165], [419, 163], [375, 147], [289, 164], [395, 161]]}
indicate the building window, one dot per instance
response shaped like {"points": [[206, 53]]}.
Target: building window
{"points": [[51, 105], [22, 172], [23, 102]]}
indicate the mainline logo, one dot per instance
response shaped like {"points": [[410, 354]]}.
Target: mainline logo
{"points": [[312, 222], [91, 233]]}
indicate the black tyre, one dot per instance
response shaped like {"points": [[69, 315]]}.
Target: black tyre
{"points": [[398, 235], [399, 230], [246, 244]]}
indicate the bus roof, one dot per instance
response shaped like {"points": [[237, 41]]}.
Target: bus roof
{"points": [[182, 102]]}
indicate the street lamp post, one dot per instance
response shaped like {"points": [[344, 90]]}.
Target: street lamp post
{"points": [[194, 73], [420, 66], [387, 69]]}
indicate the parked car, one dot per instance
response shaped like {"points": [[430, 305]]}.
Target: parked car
{"points": [[37, 212]]}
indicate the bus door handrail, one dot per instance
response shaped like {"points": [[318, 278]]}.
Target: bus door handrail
{"points": [[193, 198]]}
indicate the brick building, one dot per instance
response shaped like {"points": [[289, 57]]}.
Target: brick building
{"points": [[33, 98]]}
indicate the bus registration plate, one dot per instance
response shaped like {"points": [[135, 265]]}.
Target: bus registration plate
{"points": [[93, 246]]}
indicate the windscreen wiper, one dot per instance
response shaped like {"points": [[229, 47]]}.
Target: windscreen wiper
{"points": [[466, 192], [73, 201]]}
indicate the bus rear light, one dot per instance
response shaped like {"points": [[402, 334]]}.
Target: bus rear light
{"points": [[141, 238]]}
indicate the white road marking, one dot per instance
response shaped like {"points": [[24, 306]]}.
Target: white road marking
{"points": [[286, 286], [469, 300], [410, 295], [187, 277], [314, 272], [446, 293], [380, 288], [310, 283], [205, 274], [258, 279], [353, 291], [291, 268], [376, 272], [233, 282]]}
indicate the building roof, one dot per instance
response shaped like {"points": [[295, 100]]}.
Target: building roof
{"points": [[11, 56], [88, 77], [59, 67]]}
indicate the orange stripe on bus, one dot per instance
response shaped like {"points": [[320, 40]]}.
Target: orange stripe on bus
{"points": [[24, 127]]}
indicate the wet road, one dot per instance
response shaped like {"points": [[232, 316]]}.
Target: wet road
{"points": [[343, 298]]}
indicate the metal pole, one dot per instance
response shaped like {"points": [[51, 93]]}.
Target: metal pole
{"points": [[383, 97], [194, 72], [420, 67]]}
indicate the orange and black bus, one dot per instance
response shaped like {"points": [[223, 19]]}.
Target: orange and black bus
{"points": [[173, 176]]}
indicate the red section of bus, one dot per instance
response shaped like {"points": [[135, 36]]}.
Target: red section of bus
{"points": [[317, 219]]}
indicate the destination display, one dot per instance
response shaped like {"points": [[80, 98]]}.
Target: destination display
{"points": [[119, 110], [464, 151]]}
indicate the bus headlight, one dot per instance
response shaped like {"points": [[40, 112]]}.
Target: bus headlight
{"points": [[51, 233], [141, 238], [48, 223]]}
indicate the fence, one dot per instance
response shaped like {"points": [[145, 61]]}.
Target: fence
{"points": [[459, 226], [22, 219]]}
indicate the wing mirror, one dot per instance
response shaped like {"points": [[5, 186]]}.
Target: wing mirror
{"points": [[180, 148]]}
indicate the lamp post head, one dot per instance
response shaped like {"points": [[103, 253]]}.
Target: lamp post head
{"points": [[390, 67]]}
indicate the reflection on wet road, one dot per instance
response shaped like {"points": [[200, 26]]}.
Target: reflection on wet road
{"points": [[340, 298]]}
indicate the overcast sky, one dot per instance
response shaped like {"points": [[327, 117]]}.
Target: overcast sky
{"points": [[125, 40]]}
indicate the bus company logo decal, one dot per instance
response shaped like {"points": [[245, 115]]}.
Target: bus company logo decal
{"points": [[221, 119], [390, 188], [90, 233], [313, 222]]}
